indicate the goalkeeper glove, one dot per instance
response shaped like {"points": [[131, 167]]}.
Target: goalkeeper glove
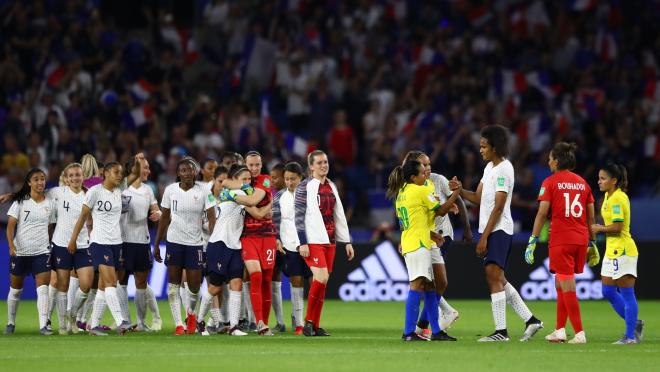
{"points": [[529, 251], [227, 195], [247, 189], [593, 256]]}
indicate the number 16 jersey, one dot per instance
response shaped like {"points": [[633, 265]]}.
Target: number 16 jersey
{"points": [[569, 195]]}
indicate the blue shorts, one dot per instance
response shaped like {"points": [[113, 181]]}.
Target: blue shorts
{"points": [[499, 247], [107, 255], [62, 259], [23, 265], [445, 246], [187, 257], [205, 270], [137, 257], [223, 261], [294, 265]]}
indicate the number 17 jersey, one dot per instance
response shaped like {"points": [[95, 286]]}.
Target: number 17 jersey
{"points": [[569, 195]]}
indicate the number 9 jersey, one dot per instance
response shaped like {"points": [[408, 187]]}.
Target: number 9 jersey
{"points": [[568, 195]]}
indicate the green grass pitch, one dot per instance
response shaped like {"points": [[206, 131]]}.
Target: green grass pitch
{"points": [[365, 336]]}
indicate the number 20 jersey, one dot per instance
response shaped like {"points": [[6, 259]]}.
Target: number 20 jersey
{"points": [[569, 195]]}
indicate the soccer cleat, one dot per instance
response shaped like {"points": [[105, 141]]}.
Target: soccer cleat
{"points": [[211, 330], [201, 328], [558, 335], [411, 337], [580, 338], [237, 332], [124, 327], [448, 320], [243, 324], [224, 328], [45, 331], [442, 336], [179, 331], [82, 326], [106, 328], [639, 330], [308, 328], [263, 330], [298, 330], [9, 330], [320, 332], [497, 336], [73, 324], [49, 325], [63, 332], [281, 328], [191, 323], [156, 324], [142, 328], [626, 341], [531, 330], [252, 327], [97, 331]]}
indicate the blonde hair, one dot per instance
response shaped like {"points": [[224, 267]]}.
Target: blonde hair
{"points": [[63, 175], [89, 166]]}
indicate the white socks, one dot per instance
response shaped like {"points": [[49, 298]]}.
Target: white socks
{"points": [[78, 301], [61, 309], [192, 301], [152, 303], [297, 305], [183, 293], [444, 306], [13, 298], [498, 304], [85, 313], [513, 298], [42, 305], [276, 289], [52, 296], [248, 303], [204, 306], [74, 284], [114, 305], [174, 300], [122, 296], [140, 300], [234, 305], [98, 309]]}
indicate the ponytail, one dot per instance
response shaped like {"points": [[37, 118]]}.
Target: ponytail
{"points": [[25, 190], [618, 172], [395, 182]]}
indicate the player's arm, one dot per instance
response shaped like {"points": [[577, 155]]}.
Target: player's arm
{"points": [[591, 221], [154, 212], [51, 230], [11, 229], [444, 208], [135, 171], [473, 197], [465, 220], [541, 217], [616, 226], [245, 200], [85, 213], [163, 224], [260, 213], [210, 215]]}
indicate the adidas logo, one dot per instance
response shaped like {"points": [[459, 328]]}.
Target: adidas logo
{"points": [[541, 284], [381, 277]]}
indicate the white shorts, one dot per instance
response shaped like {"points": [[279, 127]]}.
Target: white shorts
{"points": [[436, 256], [615, 268], [418, 263]]}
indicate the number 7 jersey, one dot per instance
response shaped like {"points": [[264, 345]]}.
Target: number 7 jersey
{"points": [[569, 195]]}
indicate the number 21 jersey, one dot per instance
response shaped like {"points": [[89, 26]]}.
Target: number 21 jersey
{"points": [[569, 195]]}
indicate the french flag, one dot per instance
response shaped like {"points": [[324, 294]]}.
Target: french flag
{"points": [[188, 45], [510, 82], [54, 73], [268, 125], [138, 116], [582, 5], [652, 90], [142, 89], [588, 102], [606, 46], [298, 145], [536, 131], [541, 81]]}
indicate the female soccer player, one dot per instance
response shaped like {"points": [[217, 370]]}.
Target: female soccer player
{"points": [[285, 223], [183, 204], [568, 197], [320, 223], [277, 175], [29, 240], [103, 203], [140, 206], [619, 270], [496, 228]]}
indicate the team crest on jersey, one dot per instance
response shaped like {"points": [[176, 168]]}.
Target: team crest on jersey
{"points": [[195, 197], [316, 260], [542, 191], [500, 181]]}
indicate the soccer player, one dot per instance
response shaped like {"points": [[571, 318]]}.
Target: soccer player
{"points": [[321, 224], [103, 203], [294, 265], [415, 201], [493, 195], [182, 205], [277, 176], [619, 269], [140, 206], [29, 240], [258, 240], [568, 197], [208, 170]]}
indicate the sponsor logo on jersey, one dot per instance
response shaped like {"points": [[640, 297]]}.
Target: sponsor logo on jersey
{"points": [[541, 284]]}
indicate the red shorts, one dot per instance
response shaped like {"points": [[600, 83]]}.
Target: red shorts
{"points": [[568, 259], [321, 256], [261, 249]]}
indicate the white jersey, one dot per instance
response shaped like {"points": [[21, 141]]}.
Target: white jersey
{"points": [[106, 207], [187, 209], [496, 179], [442, 191], [287, 228], [229, 226], [67, 206], [134, 217], [33, 218]]}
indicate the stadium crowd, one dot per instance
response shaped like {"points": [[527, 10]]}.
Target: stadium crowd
{"points": [[364, 80]]}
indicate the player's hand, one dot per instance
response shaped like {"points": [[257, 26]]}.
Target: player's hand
{"points": [[454, 209], [349, 251], [72, 247], [280, 246], [304, 250], [247, 189], [529, 251], [5, 198], [227, 195], [596, 228], [12, 250], [482, 248], [593, 256], [437, 238], [455, 184], [157, 256]]}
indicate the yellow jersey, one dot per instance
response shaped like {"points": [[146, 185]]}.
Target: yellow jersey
{"points": [[413, 205], [616, 208], [431, 189]]}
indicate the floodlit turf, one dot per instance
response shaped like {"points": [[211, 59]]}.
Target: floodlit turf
{"points": [[365, 336]]}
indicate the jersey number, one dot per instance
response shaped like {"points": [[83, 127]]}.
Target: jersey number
{"points": [[575, 208], [269, 255], [65, 205], [103, 206], [403, 218], [27, 213]]}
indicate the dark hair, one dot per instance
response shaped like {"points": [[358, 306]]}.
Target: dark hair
{"points": [[252, 153], [414, 155], [207, 160], [109, 166], [400, 175], [618, 172], [220, 170], [278, 167], [564, 153], [294, 167], [237, 169], [25, 190], [498, 137]]}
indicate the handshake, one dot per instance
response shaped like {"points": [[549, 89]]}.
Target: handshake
{"points": [[455, 185], [230, 195]]}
